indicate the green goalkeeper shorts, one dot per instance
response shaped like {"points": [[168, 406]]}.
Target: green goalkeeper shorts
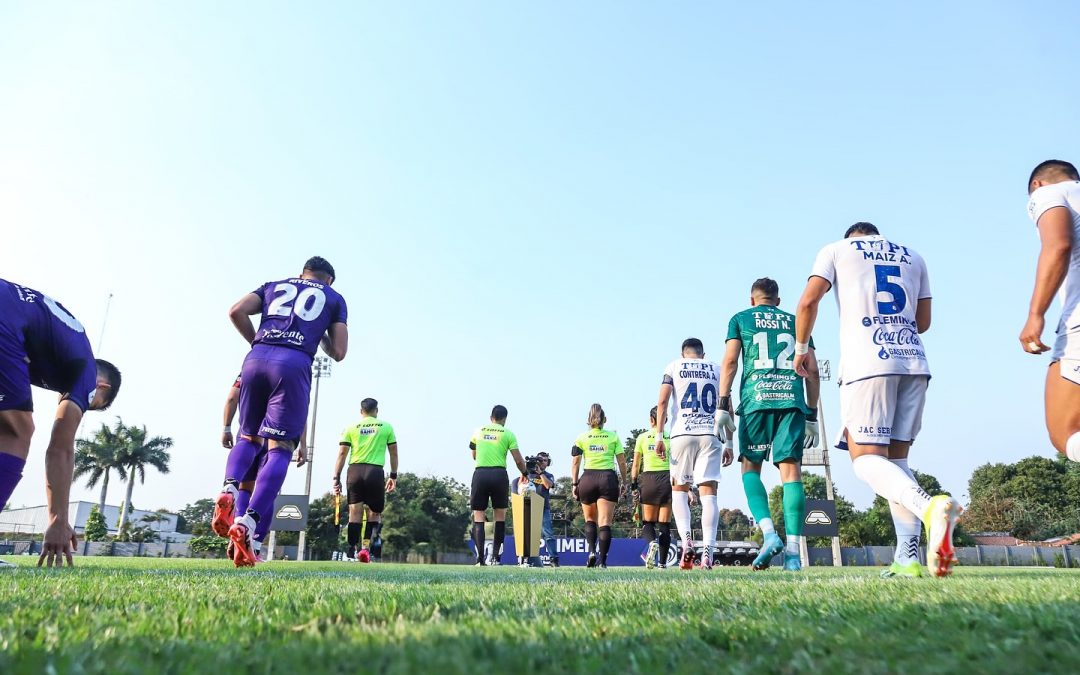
{"points": [[772, 433]]}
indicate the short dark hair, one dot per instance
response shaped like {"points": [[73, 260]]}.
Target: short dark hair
{"points": [[499, 412], [320, 265], [861, 229], [652, 414], [693, 343], [112, 374], [369, 405], [1051, 166], [766, 287]]}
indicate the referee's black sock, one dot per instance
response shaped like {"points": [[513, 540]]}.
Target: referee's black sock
{"points": [[372, 530], [605, 543], [478, 540], [665, 541], [354, 538], [590, 536], [500, 534], [648, 532]]}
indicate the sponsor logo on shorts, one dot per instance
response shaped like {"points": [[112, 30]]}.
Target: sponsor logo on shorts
{"points": [[761, 447], [2, 397], [289, 512], [817, 517], [271, 431]]}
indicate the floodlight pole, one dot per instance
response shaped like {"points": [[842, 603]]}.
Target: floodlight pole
{"points": [[320, 368], [826, 375]]}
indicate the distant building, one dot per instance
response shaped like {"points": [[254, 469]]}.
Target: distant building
{"points": [[996, 539], [33, 520], [1067, 540]]}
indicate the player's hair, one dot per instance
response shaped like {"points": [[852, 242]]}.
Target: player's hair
{"points": [[767, 288], [321, 267], [861, 229], [695, 345], [369, 405], [499, 413], [112, 374], [596, 416], [652, 414], [1051, 167]]}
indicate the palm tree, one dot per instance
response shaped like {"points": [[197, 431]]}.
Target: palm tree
{"points": [[96, 457], [138, 452]]}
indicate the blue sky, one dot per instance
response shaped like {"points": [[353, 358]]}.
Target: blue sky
{"points": [[526, 205]]}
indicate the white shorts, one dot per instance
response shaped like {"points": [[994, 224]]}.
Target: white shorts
{"points": [[695, 459], [1067, 351], [878, 410]]}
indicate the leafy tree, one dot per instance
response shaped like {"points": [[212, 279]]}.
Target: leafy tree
{"points": [[138, 452], [1035, 498], [195, 518], [209, 544], [96, 458], [322, 535], [96, 529], [425, 510]]}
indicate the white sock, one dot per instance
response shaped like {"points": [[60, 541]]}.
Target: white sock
{"points": [[794, 543], [680, 508], [890, 481], [231, 489], [1072, 447], [766, 526], [710, 520], [907, 524]]}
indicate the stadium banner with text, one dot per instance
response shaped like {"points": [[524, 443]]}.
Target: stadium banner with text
{"points": [[820, 520], [574, 552], [290, 513]]}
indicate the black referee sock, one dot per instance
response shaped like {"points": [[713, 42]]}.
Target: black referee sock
{"points": [[478, 540], [354, 538], [605, 543], [372, 529], [500, 534], [648, 532], [590, 536], [665, 542]]}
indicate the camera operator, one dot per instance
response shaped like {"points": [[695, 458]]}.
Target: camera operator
{"points": [[536, 468]]}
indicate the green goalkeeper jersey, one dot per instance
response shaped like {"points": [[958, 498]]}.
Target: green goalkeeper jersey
{"points": [[769, 382]]}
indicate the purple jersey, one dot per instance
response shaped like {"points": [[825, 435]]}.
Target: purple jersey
{"points": [[297, 313], [47, 347]]}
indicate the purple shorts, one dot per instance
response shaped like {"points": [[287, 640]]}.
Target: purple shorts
{"points": [[275, 385], [256, 465]]}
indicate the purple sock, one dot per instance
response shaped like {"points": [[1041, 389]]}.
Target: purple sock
{"points": [[10, 474], [240, 458], [268, 484], [242, 499]]}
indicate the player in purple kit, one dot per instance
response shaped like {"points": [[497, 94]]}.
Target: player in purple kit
{"points": [[298, 315], [43, 345]]}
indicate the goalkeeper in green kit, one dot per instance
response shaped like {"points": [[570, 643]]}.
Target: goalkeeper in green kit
{"points": [[778, 422]]}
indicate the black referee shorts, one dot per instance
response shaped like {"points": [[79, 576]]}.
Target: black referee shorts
{"points": [[597, 484], [367, 485], [490, 483], [655, 487]]}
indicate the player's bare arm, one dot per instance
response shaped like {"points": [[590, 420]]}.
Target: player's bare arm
{"points": [[661, 416], [336, 341], [59, 540], [806, 317], [635, 467], [812, 380], [520, 462], [339, 464], [391, 482], [621, 459], [923, 315], [241, 312], [1055, 234], [575, 470], [231, 402]]}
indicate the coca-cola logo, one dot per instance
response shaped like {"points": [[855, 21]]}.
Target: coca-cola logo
{"points": [[904, 336]]}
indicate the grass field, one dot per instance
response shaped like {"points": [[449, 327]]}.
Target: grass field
{"points": [[130, 615]]}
